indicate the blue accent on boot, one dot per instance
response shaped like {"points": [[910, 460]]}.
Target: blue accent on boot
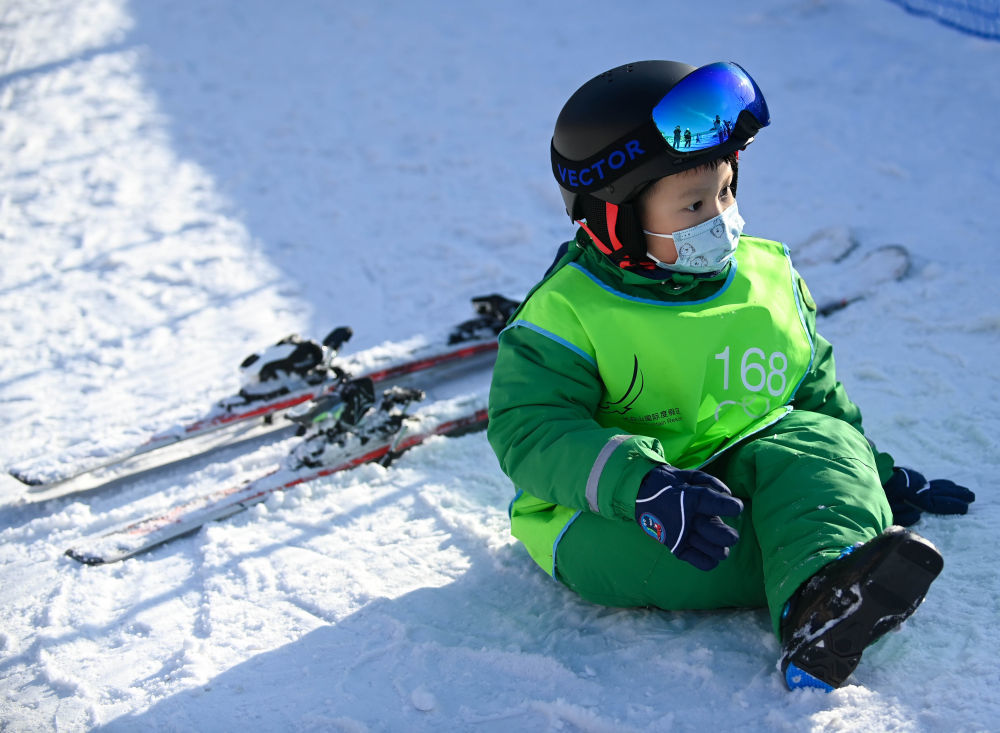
{"points": [[796, 679], [848, 550]]}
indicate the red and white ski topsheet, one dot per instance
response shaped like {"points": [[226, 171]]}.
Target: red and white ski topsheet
{"points": [[447, 417]]}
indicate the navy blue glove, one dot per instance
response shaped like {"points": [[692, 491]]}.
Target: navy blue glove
{"points": [[681, 509], [909, 494]]}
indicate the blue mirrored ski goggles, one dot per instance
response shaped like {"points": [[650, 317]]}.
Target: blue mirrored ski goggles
{"points": [[703, 109]]}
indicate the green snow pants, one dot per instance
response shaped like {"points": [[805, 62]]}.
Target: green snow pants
{"points": [[809, 487]]}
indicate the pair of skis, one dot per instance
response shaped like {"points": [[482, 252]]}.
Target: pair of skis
{"points": [[353, 433], [340, 420]]}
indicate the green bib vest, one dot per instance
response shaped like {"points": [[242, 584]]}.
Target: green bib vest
{"points": [[698, 376]]}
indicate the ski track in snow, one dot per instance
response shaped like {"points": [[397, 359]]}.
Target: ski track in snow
{"points": [[183, 184]]}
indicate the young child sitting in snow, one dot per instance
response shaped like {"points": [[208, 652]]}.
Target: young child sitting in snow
{"points": [[666, 409]]}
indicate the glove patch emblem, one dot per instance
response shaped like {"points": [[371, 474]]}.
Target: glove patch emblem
{"points": [[652, 526]]}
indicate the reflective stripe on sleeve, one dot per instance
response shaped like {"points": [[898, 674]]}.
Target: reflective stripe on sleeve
{"points": [[598, 468]]}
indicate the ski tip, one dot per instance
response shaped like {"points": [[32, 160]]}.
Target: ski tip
{"points": [[829, 244], [895, 258], [24, 478], [84, 557]]}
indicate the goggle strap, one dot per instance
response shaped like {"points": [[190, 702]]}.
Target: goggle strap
{"points": [[746, 127]]}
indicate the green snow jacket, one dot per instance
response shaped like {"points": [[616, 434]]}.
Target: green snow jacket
{"points": [[545, 397]]}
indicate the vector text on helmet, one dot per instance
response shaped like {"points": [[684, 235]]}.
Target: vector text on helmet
{"points": [[613, 161]]}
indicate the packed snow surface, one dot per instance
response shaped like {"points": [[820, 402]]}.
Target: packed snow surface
{"points": [[182, 184]]}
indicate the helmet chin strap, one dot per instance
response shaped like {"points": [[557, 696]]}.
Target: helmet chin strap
{"points": [[593, 237], [617, 251], [611, 216]]}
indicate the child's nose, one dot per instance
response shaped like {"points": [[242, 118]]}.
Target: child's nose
{"points": [[717, 208], [710, 211]]}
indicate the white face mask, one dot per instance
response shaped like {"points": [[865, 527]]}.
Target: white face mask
{"points": [[706, 247]]}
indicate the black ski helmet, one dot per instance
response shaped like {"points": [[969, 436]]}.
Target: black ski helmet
{"points": [[606, 148]]}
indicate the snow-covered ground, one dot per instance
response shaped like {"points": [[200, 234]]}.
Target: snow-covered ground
{"points": [[183, 183]]}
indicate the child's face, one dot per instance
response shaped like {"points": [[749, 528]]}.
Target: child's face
{"points": [[681, 201]]}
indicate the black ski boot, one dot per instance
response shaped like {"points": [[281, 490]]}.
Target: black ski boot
{"points": [[851, 602]]}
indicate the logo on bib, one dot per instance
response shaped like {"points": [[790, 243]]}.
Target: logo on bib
{"points": [[624, 403]]}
